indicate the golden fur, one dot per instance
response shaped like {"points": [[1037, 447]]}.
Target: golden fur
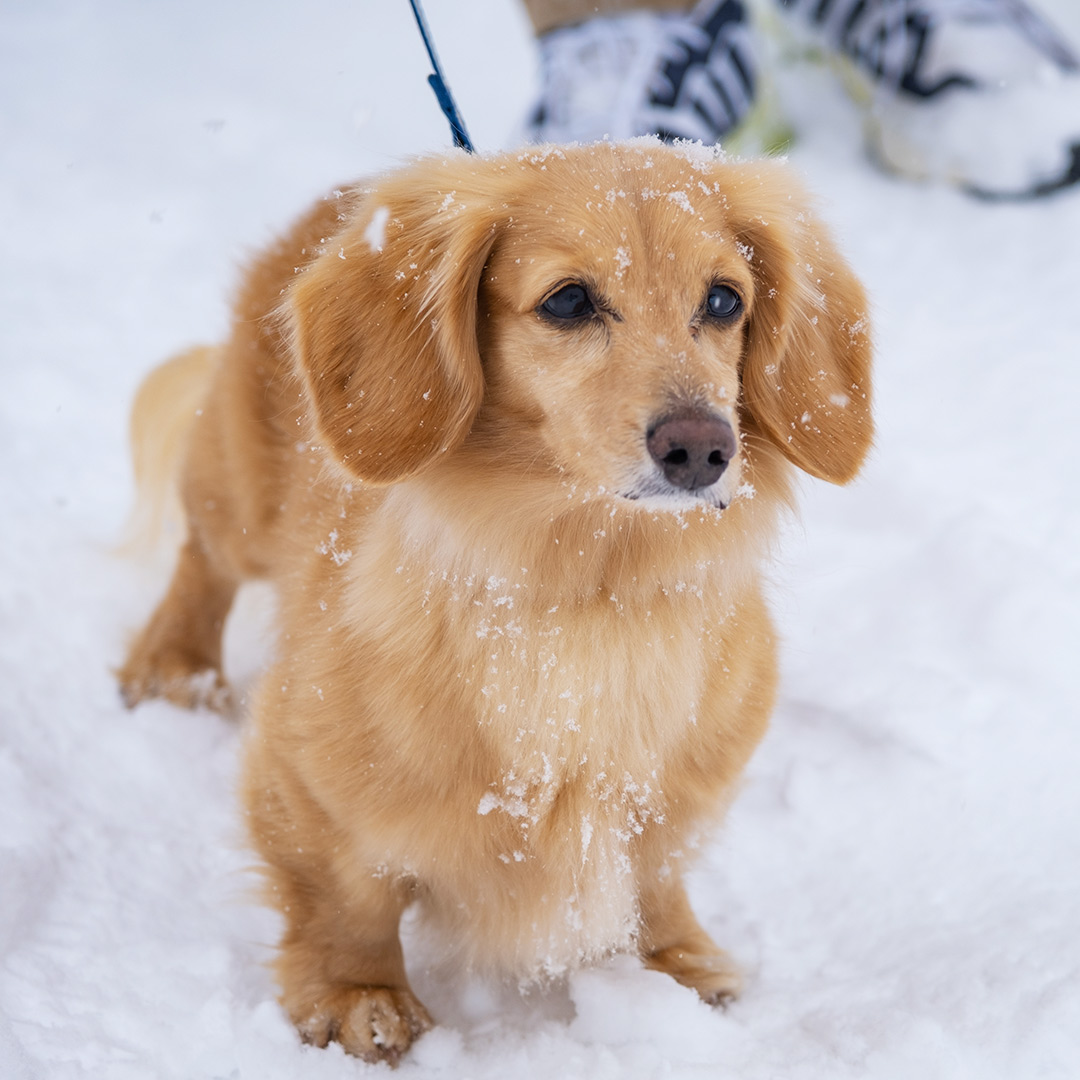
{"points": [[518, 669]]}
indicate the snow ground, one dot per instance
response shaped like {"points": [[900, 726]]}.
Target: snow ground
{"points": [[901, 874]]}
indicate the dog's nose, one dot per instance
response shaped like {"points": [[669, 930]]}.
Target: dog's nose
{"points": [[692, 448]]}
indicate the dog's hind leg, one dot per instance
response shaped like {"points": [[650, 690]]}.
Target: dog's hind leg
{"points": [[178, 653]]}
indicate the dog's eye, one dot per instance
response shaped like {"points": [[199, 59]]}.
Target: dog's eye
{"points": [[723, 302], [570, 302]]}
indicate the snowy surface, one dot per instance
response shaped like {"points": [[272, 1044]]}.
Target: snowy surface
{"points": [[901, 874]]}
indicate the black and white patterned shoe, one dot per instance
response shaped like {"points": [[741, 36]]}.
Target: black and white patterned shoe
{"points": [[981, 93], [642, 73]]}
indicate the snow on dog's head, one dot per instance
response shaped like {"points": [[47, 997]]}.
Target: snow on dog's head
{"points": [[640, 319]]}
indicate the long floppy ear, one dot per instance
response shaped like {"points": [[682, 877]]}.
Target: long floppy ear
{"points": [[383, 323], [806, 371]]}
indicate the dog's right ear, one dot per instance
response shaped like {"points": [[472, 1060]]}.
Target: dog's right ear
{"points": [[806, 372], [383, 322]]}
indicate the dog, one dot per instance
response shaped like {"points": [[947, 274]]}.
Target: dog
{"points": [[512, 435]]}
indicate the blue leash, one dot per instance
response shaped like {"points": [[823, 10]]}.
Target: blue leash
{"points": [[438, 84]]}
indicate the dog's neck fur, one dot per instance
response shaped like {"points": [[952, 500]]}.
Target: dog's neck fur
{"points": [[554, 543]]}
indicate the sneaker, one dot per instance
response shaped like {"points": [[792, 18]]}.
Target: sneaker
{"points": [[982, 93], [644, 73]]}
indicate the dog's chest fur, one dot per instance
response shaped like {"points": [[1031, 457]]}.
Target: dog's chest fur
{"points": [[545, 727]]}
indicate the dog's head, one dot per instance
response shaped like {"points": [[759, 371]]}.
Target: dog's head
{"points": [[642, 319]]}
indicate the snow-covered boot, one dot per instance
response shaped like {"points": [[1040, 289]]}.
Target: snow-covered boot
{"points": [[643, 73], [981, 93]]}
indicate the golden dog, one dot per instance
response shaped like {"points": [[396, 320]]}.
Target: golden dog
{"points": [[511, 434]]}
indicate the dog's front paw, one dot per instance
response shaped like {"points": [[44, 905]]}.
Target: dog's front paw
{"points": [[375, 1023], [713, 975]]}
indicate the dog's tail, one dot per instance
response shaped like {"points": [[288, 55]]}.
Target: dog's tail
{"points": [[164, 411]]}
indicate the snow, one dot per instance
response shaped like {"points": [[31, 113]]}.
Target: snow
{"points": [[900, 876]]}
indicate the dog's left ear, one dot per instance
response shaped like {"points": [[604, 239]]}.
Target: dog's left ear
{"points": [[806, 370], [383, 323]]}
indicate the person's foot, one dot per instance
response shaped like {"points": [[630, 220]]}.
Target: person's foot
{"points": [[677, 76], [982, 93]]}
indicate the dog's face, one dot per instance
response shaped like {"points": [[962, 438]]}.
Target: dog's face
{"points": [[635, 319], [612, 326]]}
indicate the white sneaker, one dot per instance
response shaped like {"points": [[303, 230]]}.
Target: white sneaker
{"points": [[982, 93], [677, 76]]}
